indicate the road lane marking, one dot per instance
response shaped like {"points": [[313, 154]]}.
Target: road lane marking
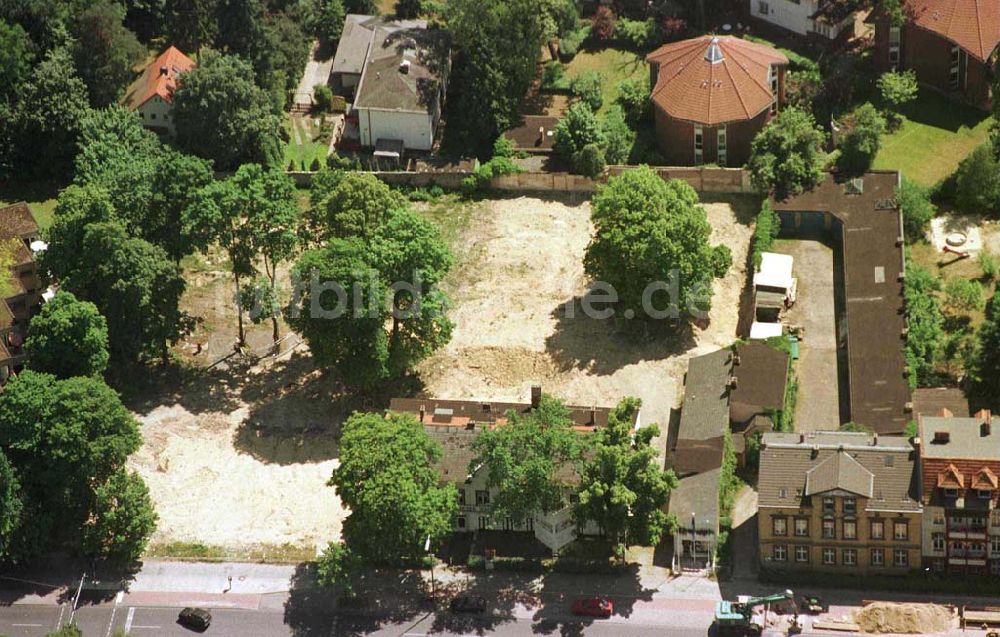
{"points": [[62, 611], [26, 625], [148, 627], [129, 618], [111, 623], [118, 597]]}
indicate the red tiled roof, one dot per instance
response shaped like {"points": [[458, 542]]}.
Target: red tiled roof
{"points": [[973, 25], [713, 80], [159, 78]]}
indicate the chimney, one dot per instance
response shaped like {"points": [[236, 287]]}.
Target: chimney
{"points": [[733, 382], [736, 359], [815, 452], [541, 134], [984, 414], [404, 67], [875, 439], [941, 437], [423, 412], [593, 415], [536, 396], [985, 417], [944, 412], [164, 70], [802, 438]]}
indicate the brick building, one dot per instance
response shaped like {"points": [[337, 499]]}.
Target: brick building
{"points": [[151, 95], [20, 287], [711, 96], [949, 44], [843, 502], [959, 469]]}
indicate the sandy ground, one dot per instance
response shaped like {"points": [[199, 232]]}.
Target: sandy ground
{"points": [[517, 269], [216, 481]]}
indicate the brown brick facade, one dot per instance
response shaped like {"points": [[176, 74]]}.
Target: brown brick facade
{"points": [[930, 57], [831, 544], [676, 140]]}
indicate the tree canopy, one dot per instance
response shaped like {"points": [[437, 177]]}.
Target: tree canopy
{"points": [[925, 335], [388, 480], [861, 143], [105, 51], [786, 156], [985, 372], [651, 231], [68, 338], [918, 210]]}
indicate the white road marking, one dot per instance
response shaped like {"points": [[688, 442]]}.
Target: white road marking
{"points": [[62, 611], [26, 625], [137, 626], [119, 596], [129, 618], [111, 623]]}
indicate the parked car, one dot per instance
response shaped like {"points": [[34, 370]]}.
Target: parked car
{"points": [[468, 604], [593, 607], [812, 604], [195, 618]]}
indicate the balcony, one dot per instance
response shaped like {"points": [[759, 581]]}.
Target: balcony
{"points": [[556, 529], [967, 532]]}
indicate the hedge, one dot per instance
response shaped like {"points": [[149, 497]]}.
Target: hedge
{"points": [[766, 231], [565, 564]]}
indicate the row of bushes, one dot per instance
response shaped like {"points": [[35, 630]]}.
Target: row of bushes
{"points": [[565, 564], [765, 232]]}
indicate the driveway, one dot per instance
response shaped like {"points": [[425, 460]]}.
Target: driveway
{"points": [[818, 406]]}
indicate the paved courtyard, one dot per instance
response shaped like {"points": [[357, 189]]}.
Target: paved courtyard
{"points": [[818, 406]]}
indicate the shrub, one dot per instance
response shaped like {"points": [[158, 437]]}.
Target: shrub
{"points": [[765, 232], [322, 98], [602, 25], [633, 97], [637, 34], [569, 44], [786, 156], [671, 27], [503, 147], [861, 143], [554, 76], [897, 90], [291, 165], [977, 187], [587, 88], [480, 178], [619, 138], [589, 161], [917, 210], [990, 265], [964, 295], [577, 129]]}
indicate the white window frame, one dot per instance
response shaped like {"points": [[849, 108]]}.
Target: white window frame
{"points": [[783, 523], [804, 527], [900, 562], [880, 525], [954, 69], [763, 8], [699, 145], [850, 505], [896, 535], [829, 527], [802, 554], [880, 559], [995, 545], [894, 40], [937, 542], [849, 557], [722, 145], [772, 80], [829, 557], [853, 535], [780, 553]]}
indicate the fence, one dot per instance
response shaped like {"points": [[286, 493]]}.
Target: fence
{"points": [[702, 179]]}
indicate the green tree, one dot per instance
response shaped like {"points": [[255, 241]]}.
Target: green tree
{"points": [[191, 24], [621, 487], [123, 519], [925, 334], [619, 137], [105, 51], [76, 208], [589, 161], [861, 143], [977, 183], [388, 480], [408, 8], [786, 156], [11, 508], [338, 567], [133, 283], [222, 115], [324, 19], [68, 338], [963, 295], [355, 207], [897, 89], [577, 129], [364, 7], [918, 210], [586, 87], [15, 58], [633, 97], [498, 43], [526, 460], [653, 231], [174, 187], [985, 370]]}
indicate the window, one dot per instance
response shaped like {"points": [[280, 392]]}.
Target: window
{"points": [[461, 497], [780, 526], [762, 7], [938, 518], [142, 115], [878, 530], [829, 556], [850, 530], [482, 497], [894, 46], [849, 557], [699, 142], [850, 506], [802, 527], [152, 116], [878, 557], [951, 493], [953, 72], [828, 505], [984, 494], [937, 542], [829, 528], [822, 28], [461, 522], [722, 146], [995, 567], [901, 557], [772, 78], [484, 522], [780, 553], [995, 545], [782, 493], [900, 531], [801, 553]]}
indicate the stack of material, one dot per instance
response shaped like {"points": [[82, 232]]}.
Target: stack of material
{"points": [[888, 617]]}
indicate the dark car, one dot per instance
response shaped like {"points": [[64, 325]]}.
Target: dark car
{"points": [[468, 604], [593, 607], [812, 604], [195, 618]]}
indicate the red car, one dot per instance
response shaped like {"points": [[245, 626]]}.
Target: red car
{"points": [[594, 607]]}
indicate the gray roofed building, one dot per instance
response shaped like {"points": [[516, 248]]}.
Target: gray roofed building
{"points": [[352, 48], [862, 463], [955, 438], [706, 396]]}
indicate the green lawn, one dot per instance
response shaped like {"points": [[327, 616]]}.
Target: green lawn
{"points": [[40, 196], [614, 65], [305, 142], [936, 134]]}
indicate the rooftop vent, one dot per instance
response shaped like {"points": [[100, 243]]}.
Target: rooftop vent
{"points": [[855, 186], [941, 437], [733, 382], [714, 54], [404, 67]]}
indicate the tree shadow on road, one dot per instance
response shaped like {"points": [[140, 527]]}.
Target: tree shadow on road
{"points": [[558, 591]]}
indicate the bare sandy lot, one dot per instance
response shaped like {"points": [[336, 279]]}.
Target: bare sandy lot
{"points": [[217, 481], [520, 262]]}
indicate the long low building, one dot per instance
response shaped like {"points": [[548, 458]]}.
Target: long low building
{"points": [[864, 217]]}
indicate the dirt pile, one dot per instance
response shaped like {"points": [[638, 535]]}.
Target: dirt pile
{"points": [[889, 617]]}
